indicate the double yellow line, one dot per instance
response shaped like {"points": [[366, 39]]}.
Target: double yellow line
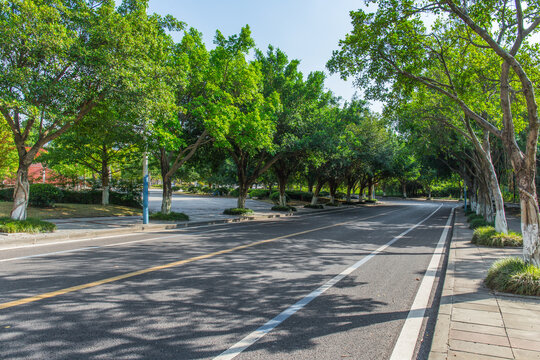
{"points": [[165, 266]]}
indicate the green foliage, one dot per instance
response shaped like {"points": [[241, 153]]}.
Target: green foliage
{"points": [[478, 222], [370, 201], [259, 193], [316, 206], [172, 216], [29, 225], [45, 195], [513, 275], [483, 234], [234, 192], [6, 194], [283, 208], [237, 211], [274, 196]]}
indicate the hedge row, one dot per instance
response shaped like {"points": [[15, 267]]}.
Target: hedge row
{"points": [[46, 195]]}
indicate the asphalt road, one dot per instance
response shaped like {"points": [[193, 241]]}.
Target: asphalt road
{"points": [[194, 293]]}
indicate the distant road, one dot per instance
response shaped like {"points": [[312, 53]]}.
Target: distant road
{"points": [[195, 293]]}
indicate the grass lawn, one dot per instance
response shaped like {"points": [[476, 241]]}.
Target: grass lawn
{"points": [[61, 211]]}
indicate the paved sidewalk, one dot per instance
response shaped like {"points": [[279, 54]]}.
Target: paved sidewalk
{"points": [[475, 323]]}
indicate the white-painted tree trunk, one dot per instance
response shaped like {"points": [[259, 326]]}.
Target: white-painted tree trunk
{"points": [[21, 195], [282, 199], [314, 200]]}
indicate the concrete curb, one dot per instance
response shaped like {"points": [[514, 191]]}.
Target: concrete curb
{"points": [[36, 239]]}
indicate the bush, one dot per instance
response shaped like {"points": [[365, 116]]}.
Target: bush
{"points": [[299, 195], [475, 223], [473, 216], [235, 192], [283, 208], [6, 194], [222, 191], [337, 203], [237, 211], [370, 201], [511, 239], [515, 276], [29, 225], [44, 195], [482, 234], [259, 193], [172, 216], [324, 193], [316, 206], [275, 197]]}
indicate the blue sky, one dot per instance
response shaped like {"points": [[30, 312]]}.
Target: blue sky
{"points": [[307, 30]]}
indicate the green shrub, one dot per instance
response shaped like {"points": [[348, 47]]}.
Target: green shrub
{"points": [[473, 216], [44, 195], [324, 193], [316, 206], [483, 234], [283, 208], [172, 216], [370, 201], [337, 203], [511, 239], [125, 199], [29, 225], [275, 197], [220, 191], [299, 195], [515, 276], [475, 223], [259, 193], [341, 195], [6, 194], [237, 211], [235, 192]]}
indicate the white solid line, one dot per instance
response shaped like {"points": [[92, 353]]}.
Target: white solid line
{"points": [[406, 342], [250, 339]]}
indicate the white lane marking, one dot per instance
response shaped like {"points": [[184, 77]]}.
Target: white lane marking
{"points": [[183, 233], [250, 339], [406, 343]]}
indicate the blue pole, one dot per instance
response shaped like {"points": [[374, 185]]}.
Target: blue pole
{"points": [[145, 189]]}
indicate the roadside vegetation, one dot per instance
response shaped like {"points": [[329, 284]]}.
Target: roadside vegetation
{"points": [[514, 275], [487, 236], [238, 211], [30, 225], [172, 216]]}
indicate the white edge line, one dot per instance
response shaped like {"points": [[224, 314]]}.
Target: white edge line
{"points": [[250, 339], [406, 342]]}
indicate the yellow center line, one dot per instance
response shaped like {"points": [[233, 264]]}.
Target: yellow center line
{"points": [[166, 266]]}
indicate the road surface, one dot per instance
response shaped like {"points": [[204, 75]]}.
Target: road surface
{"points": [[196, 293]]}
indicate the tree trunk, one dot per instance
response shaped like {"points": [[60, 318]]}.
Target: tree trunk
{"points": [[21, 194], [282, 182], [349, 190], [105, 182], [530, 218], [165, 164], [242, 196], [404, 187], [371, 190], [316, 193], [166, 200]]}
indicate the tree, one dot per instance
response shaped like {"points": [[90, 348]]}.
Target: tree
{"points": [[180, 134], [8, 154], [58, 60], [394, 45], [106, 141], [242, 119]]}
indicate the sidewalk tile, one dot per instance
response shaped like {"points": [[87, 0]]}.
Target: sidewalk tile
{"points": [[477, 317], [523, 334], [480, 349], [461, 355], [525, 344], [479, 338], [526, 354], [484, 329]]}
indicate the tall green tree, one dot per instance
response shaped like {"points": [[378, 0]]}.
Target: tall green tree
{"points": [[242, 119], [393, 44], [58, 60]]}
